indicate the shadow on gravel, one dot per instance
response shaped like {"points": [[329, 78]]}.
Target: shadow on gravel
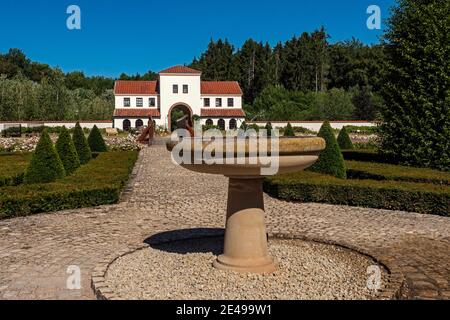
{"points": [[196, 240]]}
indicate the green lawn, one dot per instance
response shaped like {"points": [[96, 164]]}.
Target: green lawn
{"points": [[12, 167]]}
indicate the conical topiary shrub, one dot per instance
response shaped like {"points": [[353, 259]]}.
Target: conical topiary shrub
{"points": [[343, 140], [288, 131], [81, 145], [67, 152], [45, 165], [96, 142], [268, 128], [330, 160]]}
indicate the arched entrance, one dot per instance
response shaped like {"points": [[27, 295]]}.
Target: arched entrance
{"points": [[139, 123], [177, 111], [126, 125]]}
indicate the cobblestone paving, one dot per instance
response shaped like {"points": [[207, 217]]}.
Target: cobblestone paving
{"points": [[36, 251]]}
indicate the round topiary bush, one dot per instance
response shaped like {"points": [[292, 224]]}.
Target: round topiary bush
{"points": [[67, 152], [96, 142], [45, 165], [289, 131], [330, 160], [343, 139], [81, 145]]}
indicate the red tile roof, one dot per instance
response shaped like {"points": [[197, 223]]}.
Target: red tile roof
{"points": [[180, 69], [221, 87], [216, 112], [135, 87], [133, 112]]}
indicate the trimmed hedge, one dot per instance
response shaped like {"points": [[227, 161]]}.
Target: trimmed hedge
{"points": [[97, 183], [330, 160], [45, 165], [81, 144], [364, 155], [289, 131], [343, 140], [96, 142], [394, 195], [67, 152], [381, 171], [13, 167]]}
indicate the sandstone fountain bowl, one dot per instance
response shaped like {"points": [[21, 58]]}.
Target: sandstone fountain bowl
{"points": [[245, 245]]}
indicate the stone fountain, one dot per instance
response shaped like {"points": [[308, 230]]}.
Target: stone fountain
{"points": [[245, 245]]}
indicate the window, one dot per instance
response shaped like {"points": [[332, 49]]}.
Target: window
{"points": [[139, 123], [175, 88], [139, 102], [126, 102], [152, 102], [206, 102], [126, 125], [209, 122], [185, 88], [218, 102], [233, 124], [221, 124], [230, 102]]}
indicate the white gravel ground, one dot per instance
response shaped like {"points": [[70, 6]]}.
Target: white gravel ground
{"points": [[183, 270]]}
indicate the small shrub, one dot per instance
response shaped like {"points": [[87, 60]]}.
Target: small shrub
{"points": [[343, 140], [289, 131], [96, 142], [330, 160], [67, 152], [269, 129], [45, 165], [81, 145]]}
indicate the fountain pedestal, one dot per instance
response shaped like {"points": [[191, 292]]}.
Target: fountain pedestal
{"points": [[245, 246]]}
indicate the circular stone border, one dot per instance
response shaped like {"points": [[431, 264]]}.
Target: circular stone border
{"points": [[392, 290]]}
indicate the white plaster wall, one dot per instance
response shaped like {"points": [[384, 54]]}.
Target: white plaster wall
{"points": [[212, 101], [119, 101]]}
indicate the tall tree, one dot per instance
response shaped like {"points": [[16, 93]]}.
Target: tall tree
{"points": [[416, 118]]}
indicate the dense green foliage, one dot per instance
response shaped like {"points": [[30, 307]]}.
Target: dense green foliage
{"points": [[381, 171], [330, 160], [45, 165], [81, 145], [289, 131], [99, 182], [308, 186], [343, 139], [416, 119], [67, 152], [12, 168], [95, 140]]}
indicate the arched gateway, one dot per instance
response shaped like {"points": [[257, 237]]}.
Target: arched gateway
{"points": [[177, 92]]}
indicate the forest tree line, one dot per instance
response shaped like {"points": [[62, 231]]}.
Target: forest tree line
{"points": [[303, 78]]}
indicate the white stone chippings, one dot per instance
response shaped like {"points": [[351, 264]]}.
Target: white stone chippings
{"points": [[183, 270]]}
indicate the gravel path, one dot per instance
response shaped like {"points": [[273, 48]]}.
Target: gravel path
{"points": [[36, 251], [183, 270]]}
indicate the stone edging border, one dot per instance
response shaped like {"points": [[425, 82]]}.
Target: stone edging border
{"points": [[393, 289]]}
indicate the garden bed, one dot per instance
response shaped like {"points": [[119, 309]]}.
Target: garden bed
{"points": [[96, 183], [309, 186]]}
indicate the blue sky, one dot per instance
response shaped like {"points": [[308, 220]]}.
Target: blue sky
{"points": [[139, 35]]}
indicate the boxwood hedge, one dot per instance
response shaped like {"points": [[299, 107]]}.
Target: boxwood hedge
{"points": [[98, 182], [395, 195], [12, 168]]}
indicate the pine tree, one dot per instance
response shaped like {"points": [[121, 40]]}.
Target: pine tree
{"points": [[81, 145], [330, 160], [95, 140], [45, 165], [67, 152], [343, 139]]}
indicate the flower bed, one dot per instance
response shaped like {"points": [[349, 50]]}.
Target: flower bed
{"points": [[98, 182]]}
